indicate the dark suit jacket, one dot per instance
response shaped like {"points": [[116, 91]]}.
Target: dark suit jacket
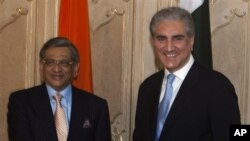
{"points": [[30, 117], [204, 107]]}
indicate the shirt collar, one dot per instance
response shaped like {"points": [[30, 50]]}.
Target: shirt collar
{"points": [[66, 93]]}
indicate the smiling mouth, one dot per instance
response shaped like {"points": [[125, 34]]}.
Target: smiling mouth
{"points": [[57, 77], [169, 54]]}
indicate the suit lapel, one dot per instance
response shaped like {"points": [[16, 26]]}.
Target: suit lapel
{"points": [[155, 95], [78, 112], [41, 103], [182, 99]]}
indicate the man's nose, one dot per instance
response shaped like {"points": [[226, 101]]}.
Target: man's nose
{"points": [[169, 45], [57, 67]]}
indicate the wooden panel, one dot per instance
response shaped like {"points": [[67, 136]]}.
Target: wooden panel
{"points": [[24, 26], [230, 46], [111, 50]]}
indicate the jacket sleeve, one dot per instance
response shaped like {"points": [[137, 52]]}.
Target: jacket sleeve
{"points": [[224, 111], [103, 131], [18, 124]]}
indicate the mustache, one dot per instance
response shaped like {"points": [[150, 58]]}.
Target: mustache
{"points": [[166, 51]]}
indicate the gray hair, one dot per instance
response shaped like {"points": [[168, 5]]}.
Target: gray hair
{"points": [[60, 42], [173, 13]]}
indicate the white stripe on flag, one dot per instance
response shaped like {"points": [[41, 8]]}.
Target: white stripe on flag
{"points": [[190, 5]]}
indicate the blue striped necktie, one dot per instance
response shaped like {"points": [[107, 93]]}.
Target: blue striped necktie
{"points": [[163, 108]]}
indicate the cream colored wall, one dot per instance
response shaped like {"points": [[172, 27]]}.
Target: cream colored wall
{"points": [[8, 60], [111, 46], [230, 46], [24, 26], [121, 53]]}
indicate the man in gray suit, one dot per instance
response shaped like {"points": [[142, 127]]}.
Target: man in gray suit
{"points": [[203, 103], [31, 111]]}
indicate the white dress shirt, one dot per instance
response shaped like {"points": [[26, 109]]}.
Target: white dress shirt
{"points": [[179, 78]]}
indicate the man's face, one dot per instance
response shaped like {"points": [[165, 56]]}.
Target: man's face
{"points": [[57, 69], [172, 45]]}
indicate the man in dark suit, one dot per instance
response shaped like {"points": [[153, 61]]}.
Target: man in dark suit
{"points": [[203, 103], [31, 111]]}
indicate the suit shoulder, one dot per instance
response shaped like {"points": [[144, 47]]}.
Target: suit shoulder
{"points": [[24, 96], [215, 77], [87, 95], [25, 92], [158, 76], [221, 78]]}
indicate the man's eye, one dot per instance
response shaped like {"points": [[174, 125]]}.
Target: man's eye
{"points": [[179, 38], [50, 62], [161, 39], [64, 63]]}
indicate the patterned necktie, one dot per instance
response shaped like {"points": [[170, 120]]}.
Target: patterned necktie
{"points": [[163, 108], [60, 120]]}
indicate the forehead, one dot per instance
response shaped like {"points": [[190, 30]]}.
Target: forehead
{"points": [[56, 52], [170, 26]]}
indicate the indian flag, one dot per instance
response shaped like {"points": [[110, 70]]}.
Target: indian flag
{"points": [[202, 45], [74, 24]]}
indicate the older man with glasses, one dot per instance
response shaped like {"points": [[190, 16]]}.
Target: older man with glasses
{"points": [[56, 110]]}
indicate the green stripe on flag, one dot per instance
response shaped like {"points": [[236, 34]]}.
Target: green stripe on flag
{"points": [[202, 50]]}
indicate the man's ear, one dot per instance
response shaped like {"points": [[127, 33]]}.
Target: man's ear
{"points": [[192, 42], [76, 69], [41, 65], [151, 40]]}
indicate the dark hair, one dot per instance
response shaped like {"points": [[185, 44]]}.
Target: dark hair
{"points": [[60, 42], [173, 13]]}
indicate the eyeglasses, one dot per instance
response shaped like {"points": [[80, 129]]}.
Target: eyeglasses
{"points": [[62, 63]]}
